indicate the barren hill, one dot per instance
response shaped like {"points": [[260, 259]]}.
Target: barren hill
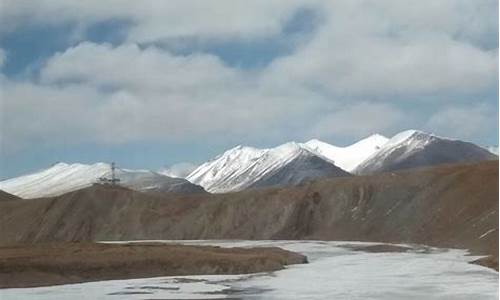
{"points": [[449, 206]]}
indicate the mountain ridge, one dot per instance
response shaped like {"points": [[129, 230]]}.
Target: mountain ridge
{"points": [[414, 148], [62, 177], [446, 206], [243, 167]]}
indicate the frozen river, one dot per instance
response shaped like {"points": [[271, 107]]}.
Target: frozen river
{"points": [[335, 271]]}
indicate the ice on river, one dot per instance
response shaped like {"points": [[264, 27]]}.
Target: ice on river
{"points": [[335, 271]]}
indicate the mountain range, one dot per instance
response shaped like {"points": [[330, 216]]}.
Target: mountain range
{"points": [[62, 178], [453, 206], [244, 167]]}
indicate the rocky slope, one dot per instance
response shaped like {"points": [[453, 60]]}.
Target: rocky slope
{"points": [[412, 148], [4, 196], [448, 206]]}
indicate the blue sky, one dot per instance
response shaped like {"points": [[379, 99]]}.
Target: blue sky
{"points": [[158, 83]]}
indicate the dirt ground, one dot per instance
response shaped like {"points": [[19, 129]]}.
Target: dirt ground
{"points": [[62, 263]]}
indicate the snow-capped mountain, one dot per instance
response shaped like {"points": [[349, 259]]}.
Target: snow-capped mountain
{"points": [[303, 166], [493, 149], [244, 167], [348, 158], [224, 172], [247, 167], [62, 178], [413, 148]]}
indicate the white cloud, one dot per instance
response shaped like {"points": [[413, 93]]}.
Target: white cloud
{"points": [[128, 66], [385, 48], [369, 50], [180, 170], [471, 122], [359, 120], [157, 20], [364, 48], [97, 93]]}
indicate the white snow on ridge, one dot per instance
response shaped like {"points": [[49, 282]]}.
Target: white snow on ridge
{"points": [[349, 157], [410, 140], [225, 167], [62, 178], [492, 149], [241, 166], [233, 170], [55, 180]]}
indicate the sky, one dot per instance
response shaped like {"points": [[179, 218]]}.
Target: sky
{"points": [[154, 84]]}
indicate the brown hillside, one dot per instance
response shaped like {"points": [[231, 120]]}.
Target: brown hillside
{"points": [[59, 263], [449, 206], [4, 196]]}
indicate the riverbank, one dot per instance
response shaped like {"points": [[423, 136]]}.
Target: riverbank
{"points": [[336, 270], [64, 263]]}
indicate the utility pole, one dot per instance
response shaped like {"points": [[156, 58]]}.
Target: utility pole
{"points": [[113, 180]]}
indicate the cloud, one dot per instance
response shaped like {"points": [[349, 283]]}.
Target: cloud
{"points": [[386, 49], [471, 122], [364, 48], [358, 120], [150, 69], [104, 94], [180, 170], [3, 57], [35, 115], [157, 20], [362, 68]]}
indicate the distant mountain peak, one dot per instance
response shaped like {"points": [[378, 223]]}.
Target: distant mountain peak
{"points": [[63, 177], [348, 157], [242, 167], [415, 148]]}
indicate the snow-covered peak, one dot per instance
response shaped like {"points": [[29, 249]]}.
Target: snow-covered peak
{"points": [[414, 148], [59, 165], [239, 151], [401, 137], [409, 141], [288, 148], [410, 138], [59, 178], [62, 178], [349, 157], [282, 153], [492, 149], [241, 166], [228, 164]]}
